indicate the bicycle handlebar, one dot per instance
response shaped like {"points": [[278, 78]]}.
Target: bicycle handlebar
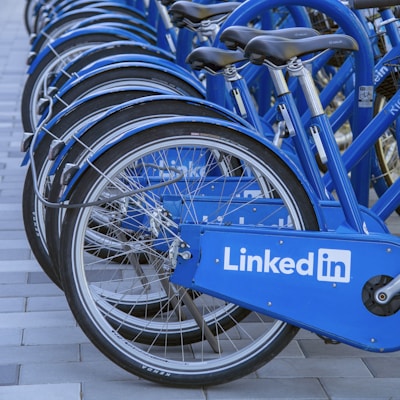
{"points": [[360, 4]]}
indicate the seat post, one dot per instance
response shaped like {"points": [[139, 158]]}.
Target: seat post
{"points": [[297, 69]]}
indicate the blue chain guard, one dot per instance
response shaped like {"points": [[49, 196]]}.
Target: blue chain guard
{"points": [[313, 280]]}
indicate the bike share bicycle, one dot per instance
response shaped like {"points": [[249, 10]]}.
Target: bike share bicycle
{"points": [[88, 82], [243, 189], [246, 173]]}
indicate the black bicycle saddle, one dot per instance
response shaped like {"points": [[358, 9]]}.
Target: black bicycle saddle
{"points": [[196, 13], [235, 36], [279, 50], [213, 58]]}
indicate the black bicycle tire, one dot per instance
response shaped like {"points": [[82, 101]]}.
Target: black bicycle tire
{"points": [[103, 337], [32, 80], [37, 241], [122, 74], [124, 117], [101, 52]]}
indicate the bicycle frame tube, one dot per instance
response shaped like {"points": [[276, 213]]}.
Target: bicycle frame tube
{"points": [[391, 26], [363, 142], [300, 140], [322, 132], [364, 64], [379, 123]]}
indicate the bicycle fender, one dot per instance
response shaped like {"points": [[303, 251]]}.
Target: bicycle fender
{"points": [[119, 34], [64, 6], [144, 35], [44, 132], [111, 61], [170, 120], [159, 52], [44, 32], [153, 63], [157, 97], [78, 135]]}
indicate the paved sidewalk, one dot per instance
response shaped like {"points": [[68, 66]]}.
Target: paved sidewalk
{"points": [[44, 355]]}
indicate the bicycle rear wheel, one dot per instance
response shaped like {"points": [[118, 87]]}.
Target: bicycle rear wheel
{"points": [[36, 83], [99, 134], [386, 164], [33, 211], [209, 158]]}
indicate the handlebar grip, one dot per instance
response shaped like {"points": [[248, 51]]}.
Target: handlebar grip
{"points": [[360, 4]]}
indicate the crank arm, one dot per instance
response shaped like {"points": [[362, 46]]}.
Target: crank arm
{"points": [[385, 294]]}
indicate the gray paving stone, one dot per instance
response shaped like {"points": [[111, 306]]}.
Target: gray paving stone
{"points": [[316, 348], [90, 353], [63, 391], [7, 197], [38, 277], [10, 194], [10, 215], [10, 278], [384, 367], [13, 254], [10, 336], [47, 303], [303, 335], [12, 235], [362, 388], [40, 289], [11, 225], [139, 390], [13, 244], [19, 266], [98, 371], [37, 319], [61, 334], [291, 350], [308, 368], [9, 374], [39, 354], [306, 388], [12, 304]]}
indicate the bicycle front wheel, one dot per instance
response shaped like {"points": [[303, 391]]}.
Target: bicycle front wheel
{"points": [[193, 339]]}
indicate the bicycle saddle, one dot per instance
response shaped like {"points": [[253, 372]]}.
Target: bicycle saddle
{"points": [[238, 36], [196, 13], [167, 2], [213, 58], [279, 50]]}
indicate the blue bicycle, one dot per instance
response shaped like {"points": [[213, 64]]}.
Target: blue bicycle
{"points": [[216, 217], [231, 217]]}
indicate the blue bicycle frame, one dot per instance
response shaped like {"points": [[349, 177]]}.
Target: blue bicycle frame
{"points": [[316, 280], [363, 60]]}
